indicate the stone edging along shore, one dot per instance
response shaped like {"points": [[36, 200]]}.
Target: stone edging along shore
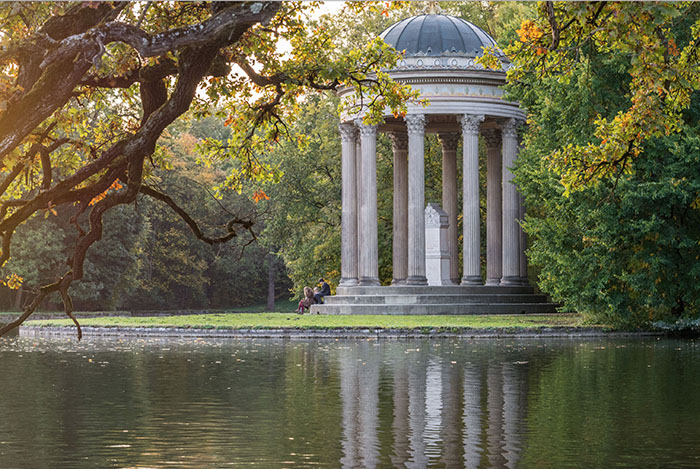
{"points": [[291, 333]]}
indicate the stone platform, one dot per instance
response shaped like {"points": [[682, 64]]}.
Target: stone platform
{"points": [[456, 299]]}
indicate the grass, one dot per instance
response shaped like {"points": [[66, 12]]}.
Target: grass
{"points": [[283, 306], [292, 320]]}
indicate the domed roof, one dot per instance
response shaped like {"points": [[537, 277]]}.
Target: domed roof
{"points": [[437, 35]]}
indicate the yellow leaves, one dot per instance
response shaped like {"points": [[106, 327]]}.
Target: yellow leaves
{"points": [[12, 281], [116, 185], [260, 195], [489, 58]]}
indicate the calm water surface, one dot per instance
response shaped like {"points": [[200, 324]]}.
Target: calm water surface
{"points": [[447, 403]]}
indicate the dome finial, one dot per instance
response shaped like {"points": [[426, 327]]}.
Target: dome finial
{"points": [[432, 8]]}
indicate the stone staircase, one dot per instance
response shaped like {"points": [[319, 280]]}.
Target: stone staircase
{"points": [[456, 299]]}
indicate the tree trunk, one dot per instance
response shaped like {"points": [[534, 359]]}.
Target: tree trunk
{"points": [[271, 284], [18, 298]]}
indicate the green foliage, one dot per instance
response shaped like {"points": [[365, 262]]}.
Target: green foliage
{"points": [[661, 41], [625, 249]]}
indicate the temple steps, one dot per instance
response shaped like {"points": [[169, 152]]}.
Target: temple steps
{"points": [[435, 309], [434, 299], [435, 290], [438, 300]]}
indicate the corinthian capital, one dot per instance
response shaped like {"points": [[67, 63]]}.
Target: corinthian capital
{"points": [[492, 137], [510, 128], [415, 123], [449, 141], [366, 129], [348, 132], [471, 122], [399, 141]]}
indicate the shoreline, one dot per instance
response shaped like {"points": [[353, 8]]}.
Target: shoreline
{"points": [[331, 333]]}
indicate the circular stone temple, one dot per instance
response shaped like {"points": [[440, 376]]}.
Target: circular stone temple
{"points": [[465, 104]]}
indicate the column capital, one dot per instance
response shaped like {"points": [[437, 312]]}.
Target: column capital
{"points": [[366, 129], [492, 137], [348, 132], [510, 128], [471, 122], [399, 141], [415, 123], [449, 141]]}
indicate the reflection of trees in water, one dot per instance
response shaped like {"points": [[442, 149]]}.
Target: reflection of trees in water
{"points": [[444, 412]]}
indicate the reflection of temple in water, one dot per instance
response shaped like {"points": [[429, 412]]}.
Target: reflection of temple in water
{"points": [[453, 414]]}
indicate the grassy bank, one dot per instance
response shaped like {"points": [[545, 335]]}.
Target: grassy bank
{"points": [[291, 320]]}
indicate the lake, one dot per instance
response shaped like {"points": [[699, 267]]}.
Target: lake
{"points": [[349, 403]]}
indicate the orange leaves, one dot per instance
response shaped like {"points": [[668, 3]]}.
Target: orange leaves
{"points": [[529, 31], [260, 195], [673, 48], [12, 281], [116, 185]]}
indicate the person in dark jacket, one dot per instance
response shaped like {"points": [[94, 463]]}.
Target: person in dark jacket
{"points": [[325, 291]]}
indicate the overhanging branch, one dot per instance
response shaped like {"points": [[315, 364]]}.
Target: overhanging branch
{"points": [[194, 226]]}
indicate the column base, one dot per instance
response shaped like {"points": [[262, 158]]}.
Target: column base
{"points": [[493, 282], [416, 280], [510, 281], [472, 280], [398, 282], [348, 282], [369, 282], [524, 281]]}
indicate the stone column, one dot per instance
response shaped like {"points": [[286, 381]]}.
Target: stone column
{"points": [[449, 198], [368, 252], [523, 243], [358, 193], [494, 229], [511, 229], [470, 182], [399, 142], [348, 239], [415, 123]]}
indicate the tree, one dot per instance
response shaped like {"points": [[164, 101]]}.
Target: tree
{"points": [[612, 192], [87, 90], [664, 71]]}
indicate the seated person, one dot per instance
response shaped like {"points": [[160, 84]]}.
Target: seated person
{"points": [[307, 301], [325, 291]]}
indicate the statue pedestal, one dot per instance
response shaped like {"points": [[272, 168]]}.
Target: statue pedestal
{"points": [[437, 254]]}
